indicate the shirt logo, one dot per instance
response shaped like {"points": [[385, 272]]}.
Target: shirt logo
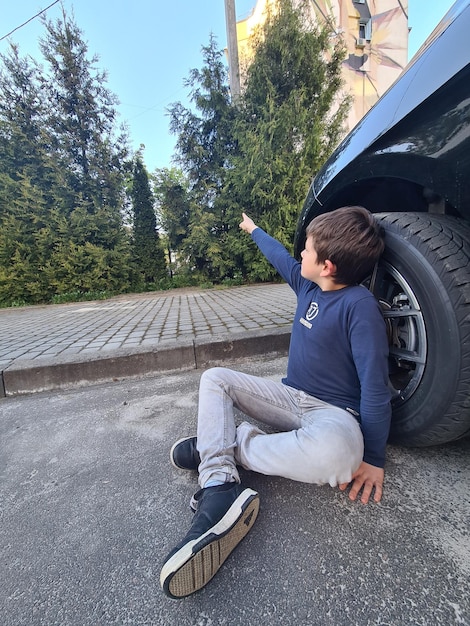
{"points": [[312, 311]]}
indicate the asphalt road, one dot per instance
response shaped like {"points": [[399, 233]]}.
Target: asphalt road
{"points": [[90, 506]]}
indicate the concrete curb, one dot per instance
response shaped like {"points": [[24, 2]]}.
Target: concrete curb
{"points": [[32, 376]]}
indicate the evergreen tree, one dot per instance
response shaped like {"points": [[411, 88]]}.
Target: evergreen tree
{"points": [[91, 158], [204, 147], [27, 183], [289, 123], [23, 137], [24, 241], [82, 117], [173, 211], [62, 174], [260, 155], [148, 253]]}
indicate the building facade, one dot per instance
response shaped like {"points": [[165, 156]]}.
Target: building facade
{"points": [[375, 34]]}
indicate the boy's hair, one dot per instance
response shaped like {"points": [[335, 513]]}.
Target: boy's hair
{"points": [[349, 237]]}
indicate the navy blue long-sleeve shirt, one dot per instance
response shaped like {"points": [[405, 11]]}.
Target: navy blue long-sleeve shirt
{"points": [[338, 349]]}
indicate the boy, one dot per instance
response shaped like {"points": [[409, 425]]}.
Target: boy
{"points": [[331, 412]]}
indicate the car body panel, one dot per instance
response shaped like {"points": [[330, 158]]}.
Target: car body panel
{"points": [[411, 151]]}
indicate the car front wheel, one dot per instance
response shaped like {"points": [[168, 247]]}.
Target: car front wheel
{"points": [[423, 285]]}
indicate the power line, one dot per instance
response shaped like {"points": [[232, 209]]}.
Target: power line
{"points": [[27, 21]]}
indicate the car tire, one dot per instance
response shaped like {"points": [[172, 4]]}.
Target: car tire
{"points": [[423, 285]]}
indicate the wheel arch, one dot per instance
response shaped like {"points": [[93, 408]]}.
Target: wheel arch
{"points": [[385, 193]]}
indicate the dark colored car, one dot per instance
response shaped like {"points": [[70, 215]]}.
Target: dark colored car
{"points": [[408, 161]]}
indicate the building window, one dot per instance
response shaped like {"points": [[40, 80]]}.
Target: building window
{"points": [[365, 32]]}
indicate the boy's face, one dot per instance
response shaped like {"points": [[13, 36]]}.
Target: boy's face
{"points": [[310, 267]]}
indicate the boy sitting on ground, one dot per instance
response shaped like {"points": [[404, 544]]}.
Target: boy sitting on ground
{"points": [[331, 412]]}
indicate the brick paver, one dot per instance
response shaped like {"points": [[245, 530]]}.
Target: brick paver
{"points": [[137, 321]]}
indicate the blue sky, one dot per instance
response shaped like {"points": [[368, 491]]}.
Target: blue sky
{"points": [[149, 46]]}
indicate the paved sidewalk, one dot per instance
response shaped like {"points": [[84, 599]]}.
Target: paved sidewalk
{"points": [[56, 346]]}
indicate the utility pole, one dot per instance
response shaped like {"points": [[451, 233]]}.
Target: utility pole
{"points": [[232, 46]]}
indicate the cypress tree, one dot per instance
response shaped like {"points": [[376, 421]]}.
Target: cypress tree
{"points": [[290, 119], [27, 183], [173, 212], [90, 154], [62, 173], [204, 146], [148, 252]]}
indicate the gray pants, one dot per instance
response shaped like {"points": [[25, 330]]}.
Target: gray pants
{"points": [[315, 442]]}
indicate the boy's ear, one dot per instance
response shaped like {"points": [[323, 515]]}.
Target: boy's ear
{"points": [[329, 268]]}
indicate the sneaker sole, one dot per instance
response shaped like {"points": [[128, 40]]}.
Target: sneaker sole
{"points": [[197, 562], [172, 459]]}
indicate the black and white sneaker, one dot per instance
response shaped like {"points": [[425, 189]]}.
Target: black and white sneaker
{"points": [[224, 516], [184, 454]]}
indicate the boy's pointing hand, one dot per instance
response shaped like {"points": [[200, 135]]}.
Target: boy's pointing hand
{"points": [[247, 224]]}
